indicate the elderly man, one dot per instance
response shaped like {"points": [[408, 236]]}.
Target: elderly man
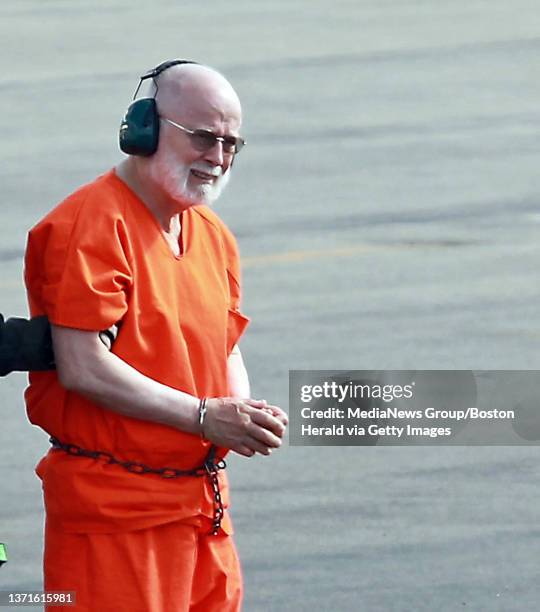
{"points": [[135, 495]]}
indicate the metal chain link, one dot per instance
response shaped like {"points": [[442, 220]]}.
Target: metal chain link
{"points": [[210, 469], [218, 504]]}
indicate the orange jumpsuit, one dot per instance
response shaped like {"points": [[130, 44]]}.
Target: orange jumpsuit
{"points": [[97, 259]]}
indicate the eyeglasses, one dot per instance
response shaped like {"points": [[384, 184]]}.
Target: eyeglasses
{"points": [[204, 140]]}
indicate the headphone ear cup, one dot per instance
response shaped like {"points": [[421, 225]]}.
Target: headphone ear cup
{"points": [[139, 130]]}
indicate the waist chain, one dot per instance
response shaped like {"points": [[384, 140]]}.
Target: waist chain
{"points": [[209, 468]]}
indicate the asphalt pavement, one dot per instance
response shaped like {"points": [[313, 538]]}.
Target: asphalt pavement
{"points": [[387, 211]]}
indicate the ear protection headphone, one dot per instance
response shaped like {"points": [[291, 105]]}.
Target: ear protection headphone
{"points": [[139, 130]]}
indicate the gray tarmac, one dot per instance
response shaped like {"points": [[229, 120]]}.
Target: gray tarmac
{"points": [[387, 210]]}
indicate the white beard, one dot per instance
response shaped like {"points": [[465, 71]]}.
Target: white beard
{"points": [[174, 177]]}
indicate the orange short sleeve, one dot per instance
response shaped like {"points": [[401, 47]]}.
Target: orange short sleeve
{"points": [[237, 322], [84, 264]]}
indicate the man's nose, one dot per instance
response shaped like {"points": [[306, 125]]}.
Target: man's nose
{"points": [[214, 155]]}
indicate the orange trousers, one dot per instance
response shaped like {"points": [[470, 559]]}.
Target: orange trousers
{"points": [[175, 567]]}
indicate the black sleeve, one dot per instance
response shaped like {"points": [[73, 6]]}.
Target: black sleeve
{"points": [[25, 345]]}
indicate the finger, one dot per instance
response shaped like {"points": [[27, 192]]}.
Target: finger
{"points": [[256, 403], [243, 450], [275, 411], [268, 421], [263, 435], [278, 413], [283, 417], [258, 446]]}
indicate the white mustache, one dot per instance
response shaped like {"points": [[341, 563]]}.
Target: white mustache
{"points": [[212, 170]]}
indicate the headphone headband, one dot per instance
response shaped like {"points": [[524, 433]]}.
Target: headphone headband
{"points": [[154, 72], [139, 130]]}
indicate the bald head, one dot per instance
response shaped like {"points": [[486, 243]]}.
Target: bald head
{"points": [[189, 90]]}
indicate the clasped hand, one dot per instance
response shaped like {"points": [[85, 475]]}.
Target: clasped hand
{"points": [[246, 426]]}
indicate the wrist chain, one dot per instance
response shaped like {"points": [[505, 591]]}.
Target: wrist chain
{"points": [[202, 415]]}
